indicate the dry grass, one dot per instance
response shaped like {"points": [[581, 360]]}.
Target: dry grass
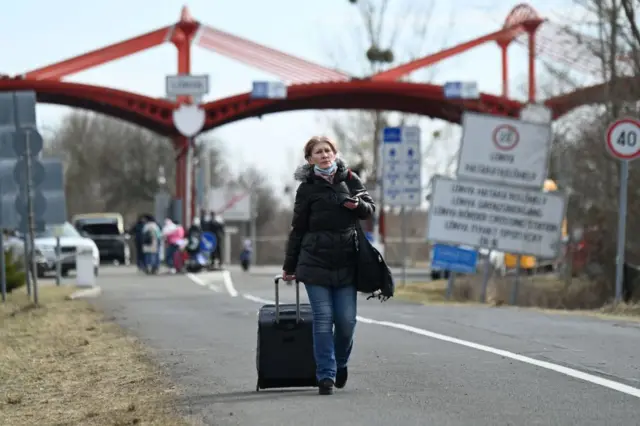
{"points": [[546, 292], [62, 364]]}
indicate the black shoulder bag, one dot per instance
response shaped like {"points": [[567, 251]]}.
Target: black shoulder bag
{"points": [[373, 275]]}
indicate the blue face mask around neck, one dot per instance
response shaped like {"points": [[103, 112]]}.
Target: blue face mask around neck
{"points": [[329, 170]]}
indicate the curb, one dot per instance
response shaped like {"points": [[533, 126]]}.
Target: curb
{"points": [[86, 293]]}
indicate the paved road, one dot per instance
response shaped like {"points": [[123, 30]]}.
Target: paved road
{"points": [[412, 365], [413, 274]]}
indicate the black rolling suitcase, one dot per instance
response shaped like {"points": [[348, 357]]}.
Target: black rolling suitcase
{"points": [[284, 356]]}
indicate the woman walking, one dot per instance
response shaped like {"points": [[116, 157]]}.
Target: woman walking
{"points": [[321, 252]]}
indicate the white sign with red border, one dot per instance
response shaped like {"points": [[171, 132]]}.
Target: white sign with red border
{"points": [[623, 139], [504, 150]]}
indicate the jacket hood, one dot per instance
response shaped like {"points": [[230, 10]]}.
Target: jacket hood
{"points": [[305, 171]]}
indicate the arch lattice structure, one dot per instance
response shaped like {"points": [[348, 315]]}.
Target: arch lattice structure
{"points": [[313, 86]]}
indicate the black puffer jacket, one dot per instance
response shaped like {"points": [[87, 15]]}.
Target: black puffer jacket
{"points": [[322, 244]]}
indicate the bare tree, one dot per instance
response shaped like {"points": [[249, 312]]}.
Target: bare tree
{"points": [[390, 32], [579, 159], [112, 165], [267, 204]]}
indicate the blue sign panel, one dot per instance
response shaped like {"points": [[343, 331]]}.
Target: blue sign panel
{"points": [[260, 90], [268, 90], [452, 90], [392, 135], [461, 90], [401, 166], [454, 259]]}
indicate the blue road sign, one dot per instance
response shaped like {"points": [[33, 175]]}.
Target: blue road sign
{"points": [[392, 135], [268, 90], [452, 90], [260, 90], [401, 166], [461, 90], [209, 242], [454, 259]]}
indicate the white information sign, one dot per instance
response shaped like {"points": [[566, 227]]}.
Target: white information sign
{"points": [[402, 166], [187, 85], [233, 205], [504, 150], [189, 119], [498, 217]]}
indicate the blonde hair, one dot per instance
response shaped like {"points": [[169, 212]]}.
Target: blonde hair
{"points": [[311, 143]]}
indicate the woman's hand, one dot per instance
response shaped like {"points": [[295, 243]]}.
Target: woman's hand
{"points": [[350, 204], [287, 276]]}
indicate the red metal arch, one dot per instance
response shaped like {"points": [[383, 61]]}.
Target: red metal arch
{"points": [[520, 14], [417, 98], [598, 94], [425, 99], [150, 113]]}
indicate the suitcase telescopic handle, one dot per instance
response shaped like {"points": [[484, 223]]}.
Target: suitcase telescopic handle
{"points": [[277, 282]]}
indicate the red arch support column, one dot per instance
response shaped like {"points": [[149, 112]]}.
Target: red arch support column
{"points": [[532, 28], [182, 36], [180, 145], [504, 50]]}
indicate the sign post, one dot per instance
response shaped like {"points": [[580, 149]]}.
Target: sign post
{"points": [[497, 217], [504, 150], [189, 120], [402, 175], [496, 201], [623, 142], [187, 85]]}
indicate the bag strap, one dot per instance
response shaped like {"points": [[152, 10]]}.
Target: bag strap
{"points": [[349, 181]]}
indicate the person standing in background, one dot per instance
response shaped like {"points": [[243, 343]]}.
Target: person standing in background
{"points": [[151, 236], [136, 232], [245, 255], [218, 231], [173, 234], [206, 223]]}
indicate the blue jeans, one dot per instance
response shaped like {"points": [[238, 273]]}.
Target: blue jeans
{"points": [[332, 306], [139, 258], [151, 260], [168, 257]]}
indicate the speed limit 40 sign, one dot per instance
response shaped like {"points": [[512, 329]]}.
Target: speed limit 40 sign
{"points": [[623, 142], [623, 139]]}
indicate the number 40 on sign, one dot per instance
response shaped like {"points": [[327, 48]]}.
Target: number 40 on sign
{"points": [[623, 139]]}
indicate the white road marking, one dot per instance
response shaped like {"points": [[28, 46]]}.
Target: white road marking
{"points": [[196, 280], [200, 281], [570, 372], [258, 299], [204, 280], [228, 283]]}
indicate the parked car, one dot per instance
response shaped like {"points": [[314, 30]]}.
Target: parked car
{"points": [[70, 242], [107, 231]]}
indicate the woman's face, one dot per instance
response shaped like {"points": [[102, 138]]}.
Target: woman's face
{"points": [[322, 155]]}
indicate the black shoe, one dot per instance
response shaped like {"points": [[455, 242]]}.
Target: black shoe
{"points": [[341, 377], [325, 387]]}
